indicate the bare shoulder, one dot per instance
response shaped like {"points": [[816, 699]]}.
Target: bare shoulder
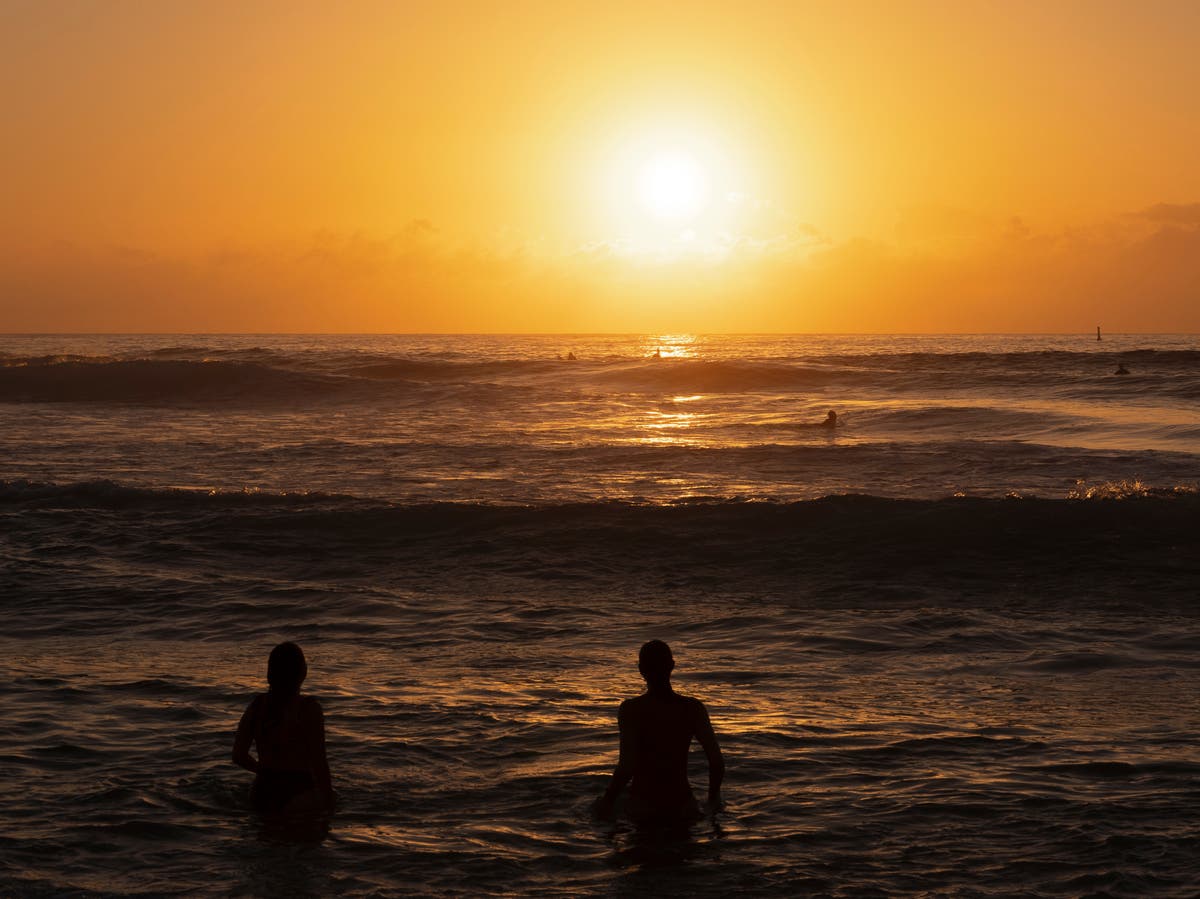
{"points": [[637, 707]]}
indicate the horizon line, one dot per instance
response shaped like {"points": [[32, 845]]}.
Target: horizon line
{"points": [[1089, 333]]}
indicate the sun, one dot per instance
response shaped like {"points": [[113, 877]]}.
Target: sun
{"points": [[665, 188], [672, 185]]}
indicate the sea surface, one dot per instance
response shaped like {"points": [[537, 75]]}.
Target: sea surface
{"points": [[950, 647]]}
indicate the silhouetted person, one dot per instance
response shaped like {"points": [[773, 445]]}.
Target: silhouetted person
{"points": [[1121, 369], [658, 353], [288, 730], [656, 731], [570, 357], [830, 420]]}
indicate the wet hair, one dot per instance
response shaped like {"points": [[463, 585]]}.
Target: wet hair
{"points": [[655, 660], [286, 669]]}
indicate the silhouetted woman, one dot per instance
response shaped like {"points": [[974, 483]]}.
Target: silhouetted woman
{"points": [[291, 771]]}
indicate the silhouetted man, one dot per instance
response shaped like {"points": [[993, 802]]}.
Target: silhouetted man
{"points": [[656, 731]]}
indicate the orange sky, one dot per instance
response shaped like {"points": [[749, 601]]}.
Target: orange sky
{"points": [[889, 166]]}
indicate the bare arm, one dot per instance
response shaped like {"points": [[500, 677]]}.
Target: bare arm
{"points": [[623, 773], [716, 762], [245, 736]]}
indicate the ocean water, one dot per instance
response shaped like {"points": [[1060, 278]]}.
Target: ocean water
{"points": [[951, 647]]}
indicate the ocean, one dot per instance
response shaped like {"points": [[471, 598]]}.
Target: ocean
{"points": [[950, 646]]}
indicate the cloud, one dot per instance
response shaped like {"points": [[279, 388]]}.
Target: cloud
{"points": [[1172, 213]]}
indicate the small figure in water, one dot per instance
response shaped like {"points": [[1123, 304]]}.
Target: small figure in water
{"points": [[291, 771], [656, 731], [1121, 369], [658, 353], [570, 357], [830, 420]]}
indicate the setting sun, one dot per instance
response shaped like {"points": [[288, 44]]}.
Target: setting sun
{"points": [[669, 187], [672, 185]]}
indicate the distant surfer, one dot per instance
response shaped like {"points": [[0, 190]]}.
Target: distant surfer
{"points": [[830, 420], [291, 773], [570, 357], [1121, 369], [656, 730], [658, 353]]}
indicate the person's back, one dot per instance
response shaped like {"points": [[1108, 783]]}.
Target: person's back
{"points": [[285, 731], [661, 727], [656, 732]]}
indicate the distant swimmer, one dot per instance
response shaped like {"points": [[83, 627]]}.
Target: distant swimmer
{"points": [[291, 773], [1121, 369], [830, 420], [570, 357], [656, 730], [658, 353]]}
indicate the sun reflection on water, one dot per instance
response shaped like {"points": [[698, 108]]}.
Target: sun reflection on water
{"points": [[672, 346], [666, 428]]}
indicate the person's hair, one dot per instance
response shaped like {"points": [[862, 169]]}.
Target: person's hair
{"points": [[286, 669], [655, 660]]}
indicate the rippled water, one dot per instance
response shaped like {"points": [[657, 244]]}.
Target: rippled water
{"points": [[500, 419], [916, 694]]}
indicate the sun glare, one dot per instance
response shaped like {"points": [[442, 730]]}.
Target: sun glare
{"points": [[669, 190], [672, 185]]}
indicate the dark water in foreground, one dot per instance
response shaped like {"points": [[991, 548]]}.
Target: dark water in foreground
{"points": [[916, 693], [960, 697]]}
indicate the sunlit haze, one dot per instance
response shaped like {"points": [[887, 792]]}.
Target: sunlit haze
{"points": [[548, 166]]}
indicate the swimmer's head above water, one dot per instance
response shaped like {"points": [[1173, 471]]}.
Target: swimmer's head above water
{"points": [[286, 669]]}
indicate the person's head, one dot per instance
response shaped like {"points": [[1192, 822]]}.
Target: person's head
{"points": [[656, 662], [832, 415], [286, 669]]}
